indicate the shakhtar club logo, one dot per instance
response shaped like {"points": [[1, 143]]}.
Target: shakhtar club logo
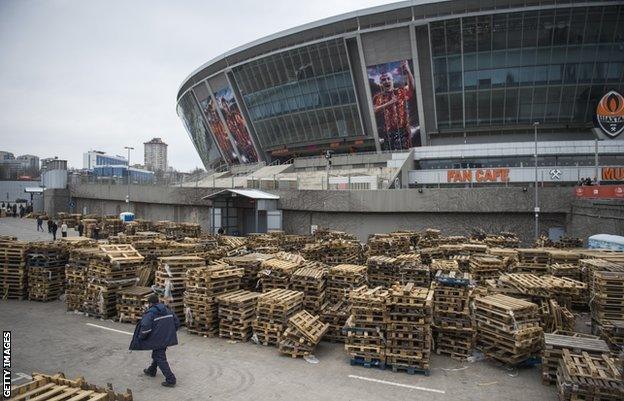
{"points": [[610, 114]]}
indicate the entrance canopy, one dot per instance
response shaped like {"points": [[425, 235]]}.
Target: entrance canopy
{"points": [[243, 211]]}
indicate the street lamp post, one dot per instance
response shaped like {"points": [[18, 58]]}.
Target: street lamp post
{"points": [[128, 148], [536, 208]]}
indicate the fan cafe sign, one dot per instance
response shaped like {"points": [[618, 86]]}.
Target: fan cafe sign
{"points": [[478, 175]]}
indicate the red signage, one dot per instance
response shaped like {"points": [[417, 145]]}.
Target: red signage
{"points": [[600, 192], [479, 175], [613, 174]]}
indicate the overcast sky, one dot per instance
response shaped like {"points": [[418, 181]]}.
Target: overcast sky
{"points": [[77, 75]]}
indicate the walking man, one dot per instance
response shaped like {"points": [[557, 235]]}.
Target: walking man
{"points": [[54, 229], [50, 225], [156, 331], [39, 223], [80, 228], [64, 230]]}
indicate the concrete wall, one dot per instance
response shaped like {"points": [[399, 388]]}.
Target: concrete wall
{"points": [[459, 211], [589, 217]]}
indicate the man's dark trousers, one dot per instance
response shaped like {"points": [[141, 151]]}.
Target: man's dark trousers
{"points": [[159, 359]]}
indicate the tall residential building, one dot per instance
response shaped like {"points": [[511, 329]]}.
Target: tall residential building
{"points": [[94, 158], [155, 155], [29, 162]]}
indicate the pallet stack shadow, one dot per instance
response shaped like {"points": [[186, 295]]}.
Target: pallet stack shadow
{"points": [[341, 280], [607, 305], [507, 328], [555, 343], [110, 271], [366, 326], [131, 303], [171, 277], [274, 309], [581, 376], [453, 329], [409, 328], [237, 311], [203, 285], [46, 271], [302, 335], [76, 277], [14, 273]]}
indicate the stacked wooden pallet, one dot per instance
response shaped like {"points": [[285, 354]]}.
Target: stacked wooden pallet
{"points": [[382, 270], [607, 299], [524, 284], [392, 244], [250, 264], [503, 240], [429, 238], [171, 277], [342, 279], [274, 309], [14, 270], [556, 317], [475, 249], [110, 271], [507, 328], [302, 335], [76, 277], [555, 343], [131, 303], [89, 226], [569, 242], [409, 328], [237, 311], [569, 270], [202, 285], [453, 331], [411, 269], [335, 315], [485, 267], [334, 252], [182, 230], [427, 255], [581, 376], [276, 273], [46, 271], [443, 265], [366, 326], [561, 256], [264, 243], [532, 260], [296, 243], [613, 333], [56, 387], [323, 234], [312, 282], [509, 257], [449, 251]]}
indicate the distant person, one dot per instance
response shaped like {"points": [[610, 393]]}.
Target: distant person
{"points": [[80, 228], [64, 230], [50, 226], [156, 331], [14, 210], [221, 230], [96, 232], [39, 223], [54, 230], [22, 211]]}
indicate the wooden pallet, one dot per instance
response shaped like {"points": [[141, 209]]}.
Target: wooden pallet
{"points": [[56, 387]]}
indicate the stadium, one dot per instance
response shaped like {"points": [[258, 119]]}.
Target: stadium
{"points": [[457, 84]]}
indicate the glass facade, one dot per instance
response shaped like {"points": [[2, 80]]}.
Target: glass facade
{"points": [[107, 161], [301, 95], [136, 175], [190, 114], [551, 66]]}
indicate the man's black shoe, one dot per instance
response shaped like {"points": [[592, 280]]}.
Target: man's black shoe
{"points": [[149, 373], [167, 384]]}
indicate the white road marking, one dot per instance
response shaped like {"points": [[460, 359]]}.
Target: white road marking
{"points": [[432, 390], [20, 376], [108, 328]]}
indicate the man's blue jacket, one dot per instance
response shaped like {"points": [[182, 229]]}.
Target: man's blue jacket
{"points": [[156, 330]]}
